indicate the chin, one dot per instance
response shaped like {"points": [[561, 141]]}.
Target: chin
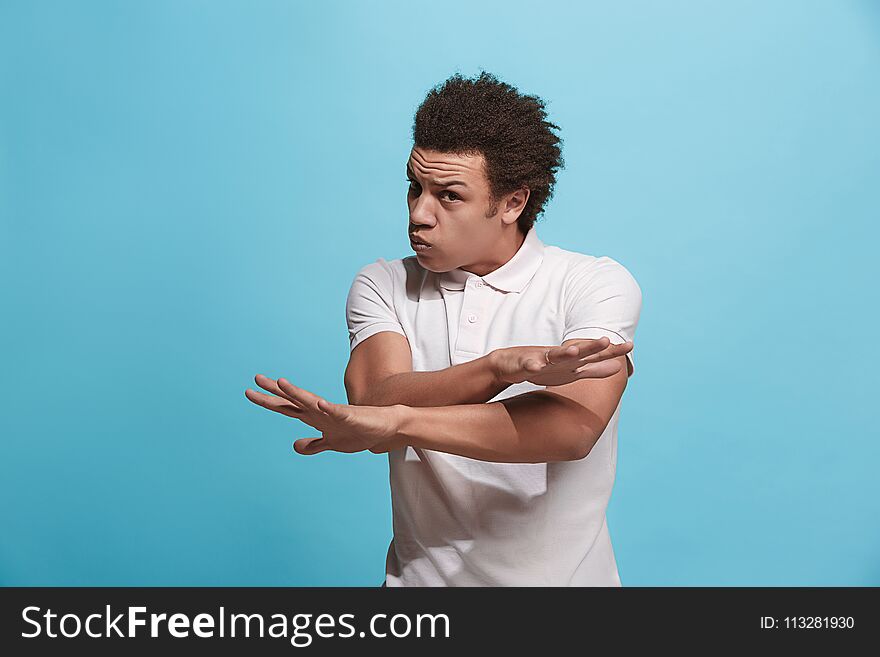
{"points": [[426, 263]]}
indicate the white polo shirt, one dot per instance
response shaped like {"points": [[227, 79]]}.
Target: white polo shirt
{"points": [[464, 522]]}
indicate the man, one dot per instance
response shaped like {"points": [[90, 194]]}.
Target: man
{"points": [[488, 366]]}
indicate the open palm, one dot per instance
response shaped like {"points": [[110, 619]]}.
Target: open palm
{"points": [[343, 427]]}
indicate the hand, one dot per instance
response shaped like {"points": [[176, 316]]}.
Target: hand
{"points": [[556, 366], [343, 428]]}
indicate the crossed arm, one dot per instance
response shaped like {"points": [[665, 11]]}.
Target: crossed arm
{"points": [[391, 406]]}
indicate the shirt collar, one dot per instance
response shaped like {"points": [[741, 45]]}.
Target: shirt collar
{"points": [[512, 276]]}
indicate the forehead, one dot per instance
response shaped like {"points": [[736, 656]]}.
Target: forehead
{"points": [[439, 164]]}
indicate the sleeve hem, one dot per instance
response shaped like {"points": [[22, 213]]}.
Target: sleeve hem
{"points": [[371, 330]]}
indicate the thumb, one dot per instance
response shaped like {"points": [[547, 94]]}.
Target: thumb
{"points": [[309, 446]]}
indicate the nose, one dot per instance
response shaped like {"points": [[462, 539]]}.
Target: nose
{"points": [[420, 211]]}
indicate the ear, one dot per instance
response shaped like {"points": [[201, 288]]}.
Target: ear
{"points": [[513, 204]]}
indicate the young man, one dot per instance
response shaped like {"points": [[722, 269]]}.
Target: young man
{"points": [[488, 366]]}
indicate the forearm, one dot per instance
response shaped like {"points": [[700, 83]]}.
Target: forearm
{"points": [[534, 427], [474, 382]]}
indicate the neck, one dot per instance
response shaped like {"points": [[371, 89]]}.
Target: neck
{"points": [[507, 248]]}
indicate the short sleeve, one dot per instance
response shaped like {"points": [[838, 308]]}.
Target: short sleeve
{"points": [[369, 308], [602, 299]]}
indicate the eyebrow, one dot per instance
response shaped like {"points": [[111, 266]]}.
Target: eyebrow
{"points": [[437, 183]]}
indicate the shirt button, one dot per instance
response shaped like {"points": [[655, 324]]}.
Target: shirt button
{"points": [[480, 284], [472, 318]]}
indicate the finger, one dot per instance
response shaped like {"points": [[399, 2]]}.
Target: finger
{"points": [[599, 370], [613, 351], [272, 386], [558, 355], [298, 395], [309, 446], [277, 404], [589, 346], [337, 411]]}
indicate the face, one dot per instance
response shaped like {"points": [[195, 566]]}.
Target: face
{"points": [[450, 209]]}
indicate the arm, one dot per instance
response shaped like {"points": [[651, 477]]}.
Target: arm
{"points": [[536, 427], [558, 424], [379, 373]]}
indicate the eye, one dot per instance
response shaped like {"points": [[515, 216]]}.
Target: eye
{"points": [[452, 196]]}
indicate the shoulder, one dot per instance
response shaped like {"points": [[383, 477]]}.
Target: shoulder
{"points": [[379, 268], [578, 270], [390, 278], [384, 272]]}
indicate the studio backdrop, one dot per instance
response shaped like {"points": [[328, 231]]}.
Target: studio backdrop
{"points": [[187, 190]]}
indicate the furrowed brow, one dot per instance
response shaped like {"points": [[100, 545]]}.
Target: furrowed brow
{"points": [[436, 183]]}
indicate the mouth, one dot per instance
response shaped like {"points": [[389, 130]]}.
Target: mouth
{"points": [[417, 244]]}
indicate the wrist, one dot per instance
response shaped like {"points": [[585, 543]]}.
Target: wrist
{"points": [[403, 421], [493, 366]]}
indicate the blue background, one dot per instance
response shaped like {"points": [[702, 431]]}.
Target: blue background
{"points": [[188, 188]]}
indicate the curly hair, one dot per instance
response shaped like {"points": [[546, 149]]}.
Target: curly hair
{"points": [[484, 115]]}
